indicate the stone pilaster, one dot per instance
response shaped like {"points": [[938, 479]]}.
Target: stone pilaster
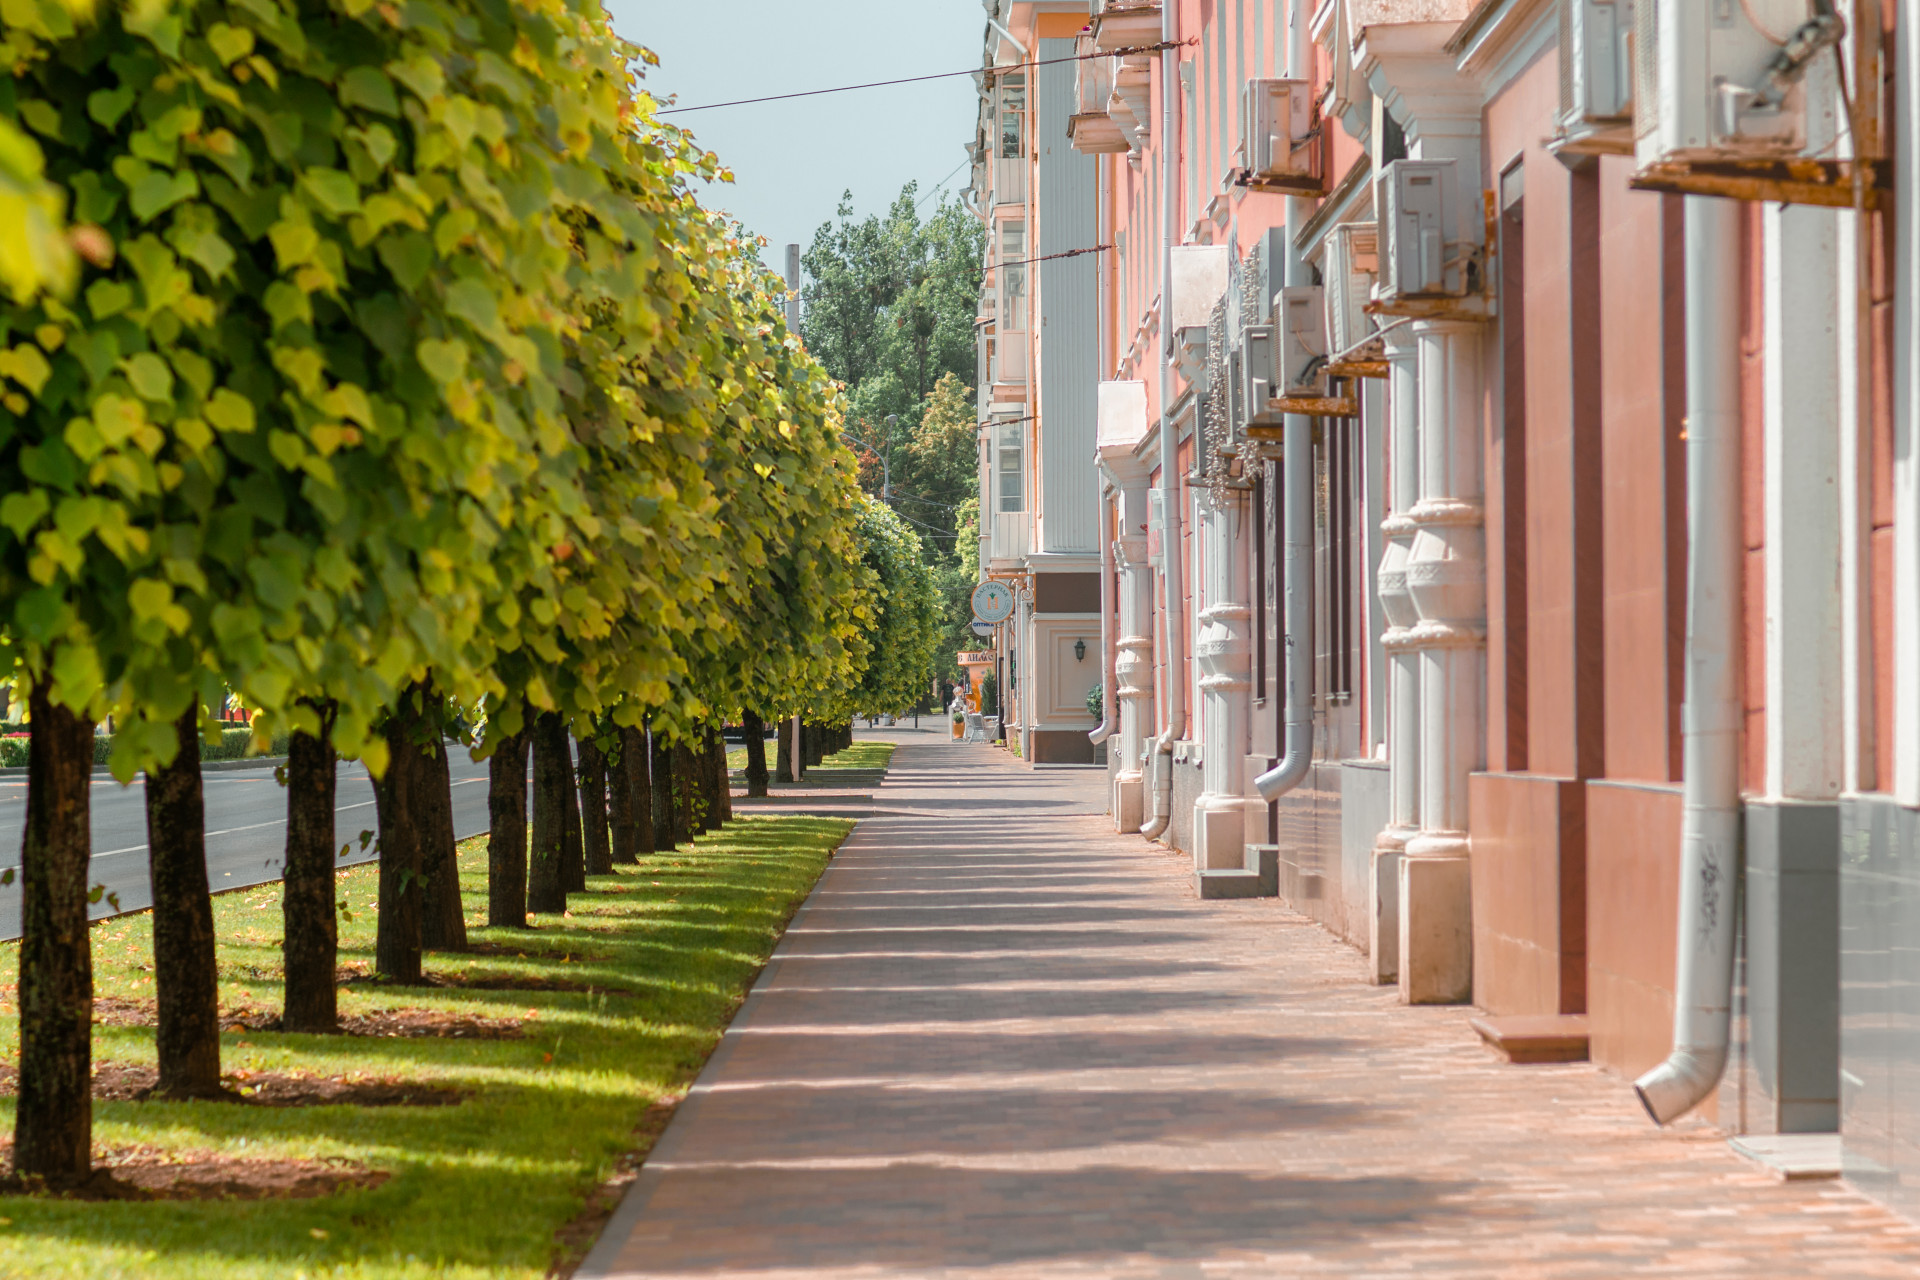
{"points": [[1223, 652], [1403, 659], [1133, 656]]}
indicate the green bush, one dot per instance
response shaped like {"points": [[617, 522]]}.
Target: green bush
{"points": [[13, 752], [232, 746]]}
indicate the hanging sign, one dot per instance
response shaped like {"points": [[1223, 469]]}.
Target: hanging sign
{"points": [[993, 602]]}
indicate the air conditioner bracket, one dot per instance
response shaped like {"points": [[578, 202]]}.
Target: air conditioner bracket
{"points": [[1303, 185], [1361, 368], [1306, 406], [1439, 306], [1828, 183]]}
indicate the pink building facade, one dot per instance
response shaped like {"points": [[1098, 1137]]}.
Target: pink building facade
{"points": [[1476, 457]]}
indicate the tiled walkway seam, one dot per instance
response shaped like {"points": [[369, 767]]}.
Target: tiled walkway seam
{"points": [[999, 1040]]}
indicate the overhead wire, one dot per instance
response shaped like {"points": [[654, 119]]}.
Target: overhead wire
{"points": [[1131, 51]]}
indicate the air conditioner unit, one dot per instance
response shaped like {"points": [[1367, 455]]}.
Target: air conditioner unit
{"points": [[1280, 136], [1424, 258], [1258, 374], [1725, 81], [1596, 78], [1352, 266], [1302, 341]]}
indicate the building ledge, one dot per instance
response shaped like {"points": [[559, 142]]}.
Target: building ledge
{"points": [[1792, 1157], [1534, 1038]]}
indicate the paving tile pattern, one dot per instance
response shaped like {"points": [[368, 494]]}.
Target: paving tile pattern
{"points": [[1002, 1041]]}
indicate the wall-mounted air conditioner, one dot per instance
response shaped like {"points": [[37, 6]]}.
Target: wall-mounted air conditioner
{"points": [[1302, 339], [1726, 81], [1258, 366], [1596, 78], [1425, 260], [1280, 136], [1351, 268]]}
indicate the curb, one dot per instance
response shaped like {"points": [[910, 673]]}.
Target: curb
{"points": [[206, 766]]}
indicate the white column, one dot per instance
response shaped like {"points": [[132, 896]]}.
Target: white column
{"points": [[1447, 579], [1133, 658], [1904, 775], [1803, 544], [1223, 652], [1403, 659]]}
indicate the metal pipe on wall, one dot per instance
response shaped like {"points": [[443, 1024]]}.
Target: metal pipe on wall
{"points": [[1170, 514], [1711, 715], [1296, 512], [1109, 704]]}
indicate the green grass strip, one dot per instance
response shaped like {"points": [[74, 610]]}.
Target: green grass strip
{"points": [[861, 755], [478, 1189]]}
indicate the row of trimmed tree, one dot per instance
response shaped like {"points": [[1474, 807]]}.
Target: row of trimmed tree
{"points": [[403, 386]]}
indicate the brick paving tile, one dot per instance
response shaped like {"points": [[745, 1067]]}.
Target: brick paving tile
{"points": [[1000, 1040]]}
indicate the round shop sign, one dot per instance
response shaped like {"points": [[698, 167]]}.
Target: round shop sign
{"points": [[993, 602]]}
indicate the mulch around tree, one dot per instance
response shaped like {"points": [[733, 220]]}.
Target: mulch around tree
{"points": [[151, 1173], [356, 976], [109, 1011], [134, 1082]]}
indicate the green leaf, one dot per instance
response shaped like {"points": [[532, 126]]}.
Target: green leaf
{"points": [[106, 106], [408, 257], [150, 377], [367, 87], [229, 44], [108, 298], [21, 511], [159, 191], [333, 190], [27, 366], [474, 302], [41, 614], [446, 361], [230, 412]]}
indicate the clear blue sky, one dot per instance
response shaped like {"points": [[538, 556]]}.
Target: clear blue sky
{"points": [[791, 160]]}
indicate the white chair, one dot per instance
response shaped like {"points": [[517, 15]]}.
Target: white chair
{"points": [[976, 727]]}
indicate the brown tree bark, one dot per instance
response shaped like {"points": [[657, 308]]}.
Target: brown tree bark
{"points": [[722, 793], [633, 744], [689, 809], [620, 802], [665, 832], [185, 973], [593, 809], [53, 1121], [443, 917], [790, 767], [310, 941], [756, 752], [573, 862], [546, 889], [507, 832], [814, 739], [398, 801]]}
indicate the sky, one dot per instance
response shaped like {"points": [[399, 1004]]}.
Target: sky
{"points": [[791, 160]]}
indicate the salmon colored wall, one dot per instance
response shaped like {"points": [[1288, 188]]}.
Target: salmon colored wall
{"points": [[1880, 508], [1184, 460], [1633, 898], [1642, 475], [1059, 26], [1529, 894]]}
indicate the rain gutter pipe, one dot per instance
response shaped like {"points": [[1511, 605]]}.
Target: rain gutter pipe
{"points": [[1170, 516], [1109, 715], [1296, 507], [1710, 717], [1009, 36]]}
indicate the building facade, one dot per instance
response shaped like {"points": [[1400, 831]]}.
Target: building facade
{"points": [[1476, 453]]}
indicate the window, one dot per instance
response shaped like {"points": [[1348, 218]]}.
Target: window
{"points": [[1013, 117], [1013, 280], [1012, 465]]}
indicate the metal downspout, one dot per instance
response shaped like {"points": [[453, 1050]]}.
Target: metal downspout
{"points": [[1296, 463], [1710, 718], [1109, 704], [1170, 515]]}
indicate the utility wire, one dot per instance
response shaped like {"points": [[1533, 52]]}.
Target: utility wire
{"points": [[941, 75]]}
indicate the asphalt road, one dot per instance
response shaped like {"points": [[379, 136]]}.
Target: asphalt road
{"points": [[246, 830]]}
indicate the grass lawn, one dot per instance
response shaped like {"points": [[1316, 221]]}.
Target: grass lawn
{"points": [[477, 1189], [861, 755]]}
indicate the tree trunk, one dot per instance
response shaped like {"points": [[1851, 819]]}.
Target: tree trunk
{"points": [[573, 863], [620, 801], [310, 944], [398, 801], [690, 811], [53, 1120], [814, 738], [593, 809], [546, 889], [185, 976], [783, 754], [756, 752], [664, 834], [507, 832], [443, 918], [633, 746], [722, 783]]}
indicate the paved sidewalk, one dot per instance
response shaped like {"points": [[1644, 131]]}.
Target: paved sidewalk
{"points": [[1001, 1041]]}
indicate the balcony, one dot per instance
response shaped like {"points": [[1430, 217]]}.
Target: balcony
{"points": [[1010, 180], [1010, 542]]}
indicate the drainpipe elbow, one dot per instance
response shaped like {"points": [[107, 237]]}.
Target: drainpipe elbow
{"points": [[1105, 731], [1682, 1082], [1292, 769]]}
